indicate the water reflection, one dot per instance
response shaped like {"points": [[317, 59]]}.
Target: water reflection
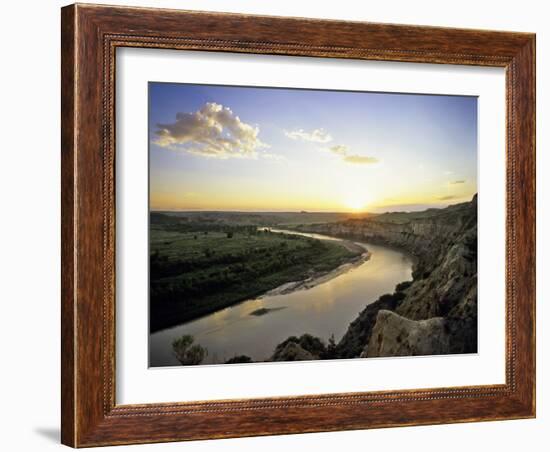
{"points": [[321, 311]]}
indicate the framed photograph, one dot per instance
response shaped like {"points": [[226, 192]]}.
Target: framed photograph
{"points": [[281, 225]]}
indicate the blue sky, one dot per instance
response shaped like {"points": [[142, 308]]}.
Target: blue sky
{"points": [[245, 148]]}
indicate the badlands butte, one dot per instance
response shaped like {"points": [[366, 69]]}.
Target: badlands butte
{"points": [[435, 313]]}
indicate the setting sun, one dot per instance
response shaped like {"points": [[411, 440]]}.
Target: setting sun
{"points": [[219, 148], [356, 204]]}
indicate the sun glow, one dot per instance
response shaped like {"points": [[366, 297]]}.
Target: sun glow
{"points": [[356, 204], [216, 148]]}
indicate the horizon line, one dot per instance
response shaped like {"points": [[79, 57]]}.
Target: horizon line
{"points": [[305, 211]]}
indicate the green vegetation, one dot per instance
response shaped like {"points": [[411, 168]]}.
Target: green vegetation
{"points": [[200, 267], [187, 353], [313, 347], [240, 359], [310, 343], [403, 286], [253, 218]]}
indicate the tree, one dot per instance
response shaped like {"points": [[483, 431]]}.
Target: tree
{"points": [[187, 353], [331, 348]]}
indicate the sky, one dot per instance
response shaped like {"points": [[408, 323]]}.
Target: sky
{"points": [[278, 149]]}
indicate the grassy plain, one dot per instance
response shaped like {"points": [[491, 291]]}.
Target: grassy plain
{"points": [[199, 267]]}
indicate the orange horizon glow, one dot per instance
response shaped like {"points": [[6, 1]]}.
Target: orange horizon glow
{"points": [[351, 205], [290, 150]]}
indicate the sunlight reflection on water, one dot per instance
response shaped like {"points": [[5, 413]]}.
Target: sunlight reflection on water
{"points": [[321, 311]]}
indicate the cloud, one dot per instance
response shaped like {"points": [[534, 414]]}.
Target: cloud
{"points": [[339, 149], [213, 131], [446, 198], [360, 159], [457, 182], [315, 136], [343, 151], [321, 136]]}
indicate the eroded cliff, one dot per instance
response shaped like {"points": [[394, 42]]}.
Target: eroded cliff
{"points": [[444, 286]]}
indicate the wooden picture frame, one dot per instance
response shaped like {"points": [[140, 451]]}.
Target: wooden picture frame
{"points": [[90, 36]]}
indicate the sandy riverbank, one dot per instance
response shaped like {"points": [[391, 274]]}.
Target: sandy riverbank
{"points": [[322, 277]]}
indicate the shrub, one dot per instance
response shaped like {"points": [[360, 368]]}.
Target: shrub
{"points": [[403, 286], [310, 343], [187, 353], [239, 359]]}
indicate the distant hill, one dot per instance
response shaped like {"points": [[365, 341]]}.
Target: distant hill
{"points": [[254, 218], [406, 217]]}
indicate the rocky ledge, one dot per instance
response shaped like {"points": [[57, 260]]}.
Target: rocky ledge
{"points": [[394, 335], [436, 312]]}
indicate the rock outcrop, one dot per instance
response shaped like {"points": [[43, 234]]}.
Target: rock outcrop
{"points": [[394, 335], [359, 331], [444, 286], [293, 352], [303, 348]]}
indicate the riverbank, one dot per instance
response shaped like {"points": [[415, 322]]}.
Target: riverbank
{"points": [[323, 311], [439, 306], [194, 274], [395, 311], [323, 277]]}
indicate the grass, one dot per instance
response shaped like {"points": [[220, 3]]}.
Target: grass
{"points": [[196, 272]]}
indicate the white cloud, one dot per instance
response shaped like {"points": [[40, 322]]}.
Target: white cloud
{"points": [[361, 159], [343, 151], [213, 131], [339, 149], [315, 136]]}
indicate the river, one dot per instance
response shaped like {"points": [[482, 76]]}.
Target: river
{"points": [[322, 310]]}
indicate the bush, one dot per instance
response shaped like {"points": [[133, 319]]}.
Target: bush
{"points": [[331, 351], [187, 353], [310, 343], [403, 286], [239, 359]]}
